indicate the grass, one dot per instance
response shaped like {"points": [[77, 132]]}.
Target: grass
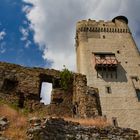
{"points": [[98, 121], [18, 123]]}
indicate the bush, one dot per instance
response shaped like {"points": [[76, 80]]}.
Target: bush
{"points": [[65, 78]]}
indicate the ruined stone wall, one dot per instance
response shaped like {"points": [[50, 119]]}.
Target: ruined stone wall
{"points": [[113, 36], [86, 98], [22, 86]]}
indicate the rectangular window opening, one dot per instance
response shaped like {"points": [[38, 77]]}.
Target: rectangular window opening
{"points": [[9, 85], [21, 100], [114, 121], [138, 94], [108, 89]]}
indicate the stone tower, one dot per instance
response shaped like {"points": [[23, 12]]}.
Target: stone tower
{"points": [[108, 56]]}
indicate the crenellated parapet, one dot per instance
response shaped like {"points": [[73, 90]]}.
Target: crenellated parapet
{"points": [[98, 28], [117, 25]]}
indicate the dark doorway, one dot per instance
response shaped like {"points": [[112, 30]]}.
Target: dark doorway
{"points": [[21, 100], [9, 85], [114, 121]]}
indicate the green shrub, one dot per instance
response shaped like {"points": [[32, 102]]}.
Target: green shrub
{"points": [[65, 78]]}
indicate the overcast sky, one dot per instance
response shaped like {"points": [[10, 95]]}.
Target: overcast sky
{"points": [[41, 32]]}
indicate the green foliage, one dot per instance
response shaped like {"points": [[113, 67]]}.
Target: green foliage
{"points": [[66, 78], [14, 105], [2, 102], [25, 111]]}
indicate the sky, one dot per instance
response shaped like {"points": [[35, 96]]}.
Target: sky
{"points": [[41, 33]]}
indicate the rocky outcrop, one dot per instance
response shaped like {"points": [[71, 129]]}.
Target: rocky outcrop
{"points": [[59, 129]]}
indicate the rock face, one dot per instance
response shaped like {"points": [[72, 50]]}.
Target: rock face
{"points": [[58, 129], [22, 86]]}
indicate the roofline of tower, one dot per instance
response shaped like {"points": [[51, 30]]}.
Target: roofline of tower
{"points": [[120, 18]]}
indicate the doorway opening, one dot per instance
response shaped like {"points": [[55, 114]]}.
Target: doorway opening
{"points": [[45, 92], [21, 100], [114, 121], [9, 85]]}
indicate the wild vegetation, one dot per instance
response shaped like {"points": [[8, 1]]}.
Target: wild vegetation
{"points": [[66, 78], [98, 121], [19, 121]]}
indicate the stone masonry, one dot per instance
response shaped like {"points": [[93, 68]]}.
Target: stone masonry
{"points": [[22, 86], [108, 56]]}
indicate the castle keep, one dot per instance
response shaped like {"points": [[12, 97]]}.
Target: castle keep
{"points": [[108, 56]]}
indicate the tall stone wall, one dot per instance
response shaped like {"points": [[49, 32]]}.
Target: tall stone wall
{"points": [[22, 86], [122, 103]]}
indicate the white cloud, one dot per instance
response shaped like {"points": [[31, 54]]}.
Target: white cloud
{"points": [[56, 29], [2, 35], [27, 44], [25, 35], [2, 47], [26, 9], [2, 43]]}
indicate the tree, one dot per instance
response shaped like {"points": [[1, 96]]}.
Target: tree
{"points": [[66, 78]]}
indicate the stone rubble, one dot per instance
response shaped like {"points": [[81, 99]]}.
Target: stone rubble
{"points": [[4, 123], [59, 129]]}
